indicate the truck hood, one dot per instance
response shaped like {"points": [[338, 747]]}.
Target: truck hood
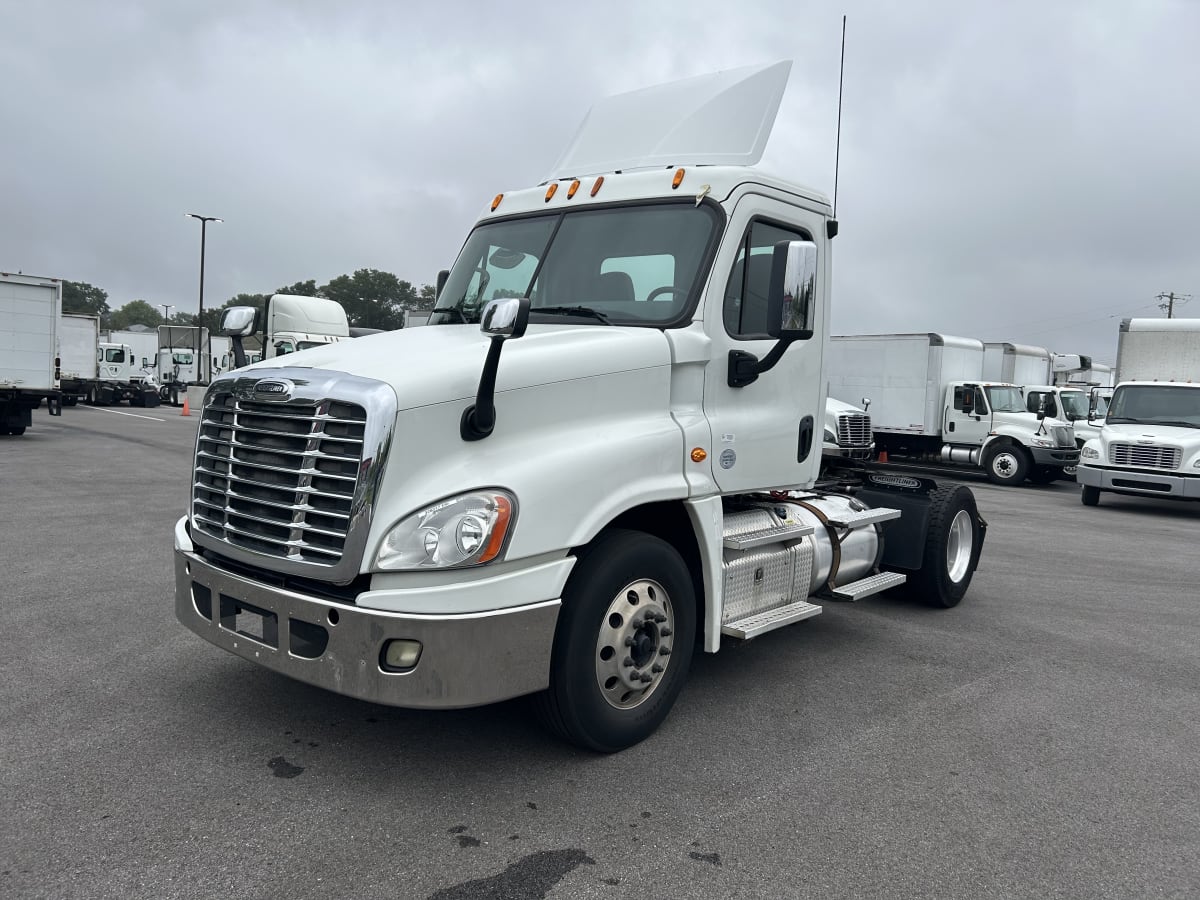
{"points": [[1140, 433], [441, 363]]}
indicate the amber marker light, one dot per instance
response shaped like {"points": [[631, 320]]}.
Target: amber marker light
{"points": [[678, 179], [573, 188], [496, 202], [551, 191], [596, 185], [499, 529], [698, 455]]}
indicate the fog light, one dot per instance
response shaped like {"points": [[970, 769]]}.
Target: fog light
{"points": [[400, 655]]}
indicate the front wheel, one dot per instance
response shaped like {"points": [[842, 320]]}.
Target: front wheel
{"points": [[1090, 495], [1006, 465], [623, 644], [952, 547]]}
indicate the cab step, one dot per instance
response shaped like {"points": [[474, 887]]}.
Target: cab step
{"points": [[774, 535], [871, 516], [872, 584], [761, 623]]}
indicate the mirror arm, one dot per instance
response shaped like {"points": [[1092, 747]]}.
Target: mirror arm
{"points": [[744, 368], [239, 352], [479, 419]]}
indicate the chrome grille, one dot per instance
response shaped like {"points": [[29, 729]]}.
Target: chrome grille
{"points": [[278, 478], [854, 430], [1150, 456], [1063, 435]]}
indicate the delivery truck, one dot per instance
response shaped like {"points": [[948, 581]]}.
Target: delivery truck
{"points": [[99, 371], [29, 310], [932, 405]]}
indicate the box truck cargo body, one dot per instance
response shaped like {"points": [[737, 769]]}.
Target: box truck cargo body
{"points": [[29, 311]]}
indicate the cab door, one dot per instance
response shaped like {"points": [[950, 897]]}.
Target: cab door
{"points": [[968, 419], [766, 434]]}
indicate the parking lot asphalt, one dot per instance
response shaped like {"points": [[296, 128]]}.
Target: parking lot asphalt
{"points": [[1040, 740]]}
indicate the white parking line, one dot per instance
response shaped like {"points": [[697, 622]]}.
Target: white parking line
{"points": [[120, 413]]}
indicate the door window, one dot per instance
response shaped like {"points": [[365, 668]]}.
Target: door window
{"points": [[750, 279]]}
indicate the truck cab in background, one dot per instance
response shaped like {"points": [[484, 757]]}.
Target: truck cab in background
{"points": [[293, 323]]}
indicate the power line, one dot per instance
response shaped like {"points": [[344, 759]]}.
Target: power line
{"points": [[1170, 298]]}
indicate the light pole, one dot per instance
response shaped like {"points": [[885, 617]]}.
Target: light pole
{"points": [[203, 370], [166, 315]]}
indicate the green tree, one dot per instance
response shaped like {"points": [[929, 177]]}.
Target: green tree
{"points": [[302, 289], [373, 299], [135, 312], [85, 299]]}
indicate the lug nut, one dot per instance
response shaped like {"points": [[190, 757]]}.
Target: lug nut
{"points": [[629, 641], [627, 662], [660, 618], [647, 678], [656, 668], [664, 651], [664, 632]]}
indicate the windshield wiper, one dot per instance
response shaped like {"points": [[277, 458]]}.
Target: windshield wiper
{"points": [[1178, 423], [583, 311], [452, 309]]}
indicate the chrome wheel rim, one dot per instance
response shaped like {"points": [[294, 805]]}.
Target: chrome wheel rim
{"points": [[959, 544], [633, 648], [1004, 464]]}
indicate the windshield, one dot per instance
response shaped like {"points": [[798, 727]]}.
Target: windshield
{"points": [[1074, 404], [181, 359], [1155, 404], [632, 265], [1005, 399], [116, 355]]}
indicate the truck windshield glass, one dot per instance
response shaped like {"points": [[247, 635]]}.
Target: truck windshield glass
{"points": [[1005, 399], [1075, 404], [1155, 405], [181, 359], [114, 355], [633, 265]]}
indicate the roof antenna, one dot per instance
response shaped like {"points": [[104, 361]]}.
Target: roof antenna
{"points": [[837, 153]]}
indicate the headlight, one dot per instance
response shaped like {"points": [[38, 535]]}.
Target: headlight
{"points": [[466, 530], [1042, 442], [1089, 452], [830, 437]]}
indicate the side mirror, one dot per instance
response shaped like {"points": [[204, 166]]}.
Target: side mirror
{"points": [[502, 319], [791, 309], [792, 293], [239, 321], [442, 277], [866, 403], [968, 401]]}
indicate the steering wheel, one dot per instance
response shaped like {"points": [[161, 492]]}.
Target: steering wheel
{"points": [[665, 289]]}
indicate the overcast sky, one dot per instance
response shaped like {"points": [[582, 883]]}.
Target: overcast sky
{"points": [[1026, 172]]}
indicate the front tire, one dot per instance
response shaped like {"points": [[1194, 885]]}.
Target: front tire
{"points": [[1090, 495], [952, 547], [1006, 465], [623, 644]]}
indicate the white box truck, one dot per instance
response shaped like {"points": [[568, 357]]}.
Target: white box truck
{"points": [[930, 404], [29, 311], [1149, 444], [633, 478], [99, 371]]}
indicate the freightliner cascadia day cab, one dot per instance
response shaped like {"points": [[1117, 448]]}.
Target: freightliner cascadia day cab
{"points": [[416, 518], [1149, 444], [931, 405]]}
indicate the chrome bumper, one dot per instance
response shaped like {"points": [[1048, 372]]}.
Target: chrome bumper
{"points": [[1140, 481], [466, 660]]}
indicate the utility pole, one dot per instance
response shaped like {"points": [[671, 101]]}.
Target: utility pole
{"points": [[1170, 298], [202, 371], [166, 311]]}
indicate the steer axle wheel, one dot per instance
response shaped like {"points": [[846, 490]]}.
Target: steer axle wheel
{"points": [[1006, 464], [623, 644]]}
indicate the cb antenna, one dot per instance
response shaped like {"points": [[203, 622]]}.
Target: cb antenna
{"points": [[837, 152]]}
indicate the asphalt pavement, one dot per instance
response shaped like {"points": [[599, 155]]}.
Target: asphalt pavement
{"points": [[1041, 740]]}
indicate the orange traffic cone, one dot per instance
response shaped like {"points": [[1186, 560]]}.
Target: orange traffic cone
{"points": [[187, 411], [883, 456]]}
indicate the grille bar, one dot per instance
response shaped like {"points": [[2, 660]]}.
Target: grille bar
{"points": [[307, 470], [1151, 456], [854, 430]]}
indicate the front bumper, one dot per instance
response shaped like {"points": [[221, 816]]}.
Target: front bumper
{"points": [[1146, 482], [1055, 456], [466, 659]]}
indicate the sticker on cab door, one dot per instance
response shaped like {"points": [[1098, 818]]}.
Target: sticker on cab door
{"points": [[728, 458]]}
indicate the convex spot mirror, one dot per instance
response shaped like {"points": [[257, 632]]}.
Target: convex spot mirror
{"points": [[238, 321], [506, 317], [792, 294]]}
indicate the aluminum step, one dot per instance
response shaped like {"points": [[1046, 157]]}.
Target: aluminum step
{"points": [[766, 536], [865, 587], [761, 623], [865, 517]]}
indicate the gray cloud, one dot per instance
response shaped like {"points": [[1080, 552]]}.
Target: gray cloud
{"points": [[1016, 172]]}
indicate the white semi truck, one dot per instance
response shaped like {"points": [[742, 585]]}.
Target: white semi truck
{"points": [[1149, 444], [633, 478], [100, 371], [931, 405], [30, 306], [1048, 381]]}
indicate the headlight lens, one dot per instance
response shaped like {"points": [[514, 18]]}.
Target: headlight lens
{"points": [[830, 437], [466, 530], [1042, 442], [1089, 453]]}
